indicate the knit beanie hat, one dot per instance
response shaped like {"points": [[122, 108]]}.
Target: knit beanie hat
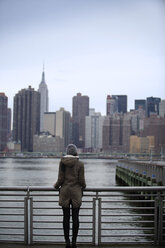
{"points": [[71, 150]]}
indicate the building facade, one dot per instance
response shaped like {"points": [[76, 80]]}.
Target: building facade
{"points": [[26, 117], [63, 125], [80, 109], [93, 131], [122, 103], [3, 121], [50, 122], [140, 103], [155, 126], [152, 105], [162, 109], [44, 101], [111, 105], [116, 133], [47, 143]]}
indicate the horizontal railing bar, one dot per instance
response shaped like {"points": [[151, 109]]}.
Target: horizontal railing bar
{"points": [[129, 208], [12, 221], [126, 222], [122, 215], [125, 229], [102, 189], [11, 207], [127, 201], [9, 214], [128, 235], [13, 234], [11, 227], [11, 200]]}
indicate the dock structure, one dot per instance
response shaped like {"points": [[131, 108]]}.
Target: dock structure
{"points": [[140, 173]]}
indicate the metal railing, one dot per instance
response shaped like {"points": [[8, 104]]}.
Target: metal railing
{"points": [[114, 215]]}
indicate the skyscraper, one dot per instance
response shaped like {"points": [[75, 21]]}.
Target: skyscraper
{"points": [[26, 119], [152, 105], [93, 131], [63, 125], [112, 104], [122, 103], [80, 109], [140, 103], [44, 100], [3, 121]]}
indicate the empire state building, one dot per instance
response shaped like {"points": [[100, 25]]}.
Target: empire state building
{"points": [[43, 89]]}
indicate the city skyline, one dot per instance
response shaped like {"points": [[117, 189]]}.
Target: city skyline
{"points": [[95, 47]]}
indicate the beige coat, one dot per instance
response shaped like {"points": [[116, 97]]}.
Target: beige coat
{"points": [[71, 181]]}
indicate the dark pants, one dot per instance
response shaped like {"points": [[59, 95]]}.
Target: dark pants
{"points": [[75, 222]]}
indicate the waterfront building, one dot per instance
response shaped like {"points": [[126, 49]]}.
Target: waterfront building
{"points": [[155, 126], [47, 143], [152, 105], [44, 101], [93, 131], [116, 133], [141, 144], [111, 104], [63, 125], [26, 117], [80, 109], [14, 146], [50, 122], [140, 103], [3, 121], [162, 109]]}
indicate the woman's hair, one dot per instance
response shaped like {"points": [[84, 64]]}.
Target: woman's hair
{"points": [[71, 150]]}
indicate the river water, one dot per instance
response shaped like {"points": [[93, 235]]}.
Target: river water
{"points": [[44, 172]]}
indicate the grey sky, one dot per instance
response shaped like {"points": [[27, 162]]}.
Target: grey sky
{"points": [[96, 47]]}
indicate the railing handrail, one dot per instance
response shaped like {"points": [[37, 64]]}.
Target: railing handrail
{"points": [[89, 189]]}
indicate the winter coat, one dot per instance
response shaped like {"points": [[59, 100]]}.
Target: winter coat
{"points": [[71, 181]]}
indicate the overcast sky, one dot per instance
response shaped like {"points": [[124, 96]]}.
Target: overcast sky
{"points": [[96, 47]]}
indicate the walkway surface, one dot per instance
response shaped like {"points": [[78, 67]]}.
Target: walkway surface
{"points": [[79, 246]]}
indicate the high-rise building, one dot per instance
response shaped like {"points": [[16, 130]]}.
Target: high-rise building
{"points": [[112, 104], [44, 100], [152, 105], [3, 121], [162, 108], [8, 123], [63, 125], [80, 109], [155, 126], [26, 119], [140, 103], [93, 131], [116, 133], [50, 122], [122, 103]]}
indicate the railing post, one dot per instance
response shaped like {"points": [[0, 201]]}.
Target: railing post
{"points": [[94, 222], [31, 219], [158, 219], [99, 221], [26, 220]]}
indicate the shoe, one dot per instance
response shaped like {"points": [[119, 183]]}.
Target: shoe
{"points": [[67, 244], [74, 245]]}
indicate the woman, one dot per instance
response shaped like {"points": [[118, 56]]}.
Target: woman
{"points": [[71, 182]]}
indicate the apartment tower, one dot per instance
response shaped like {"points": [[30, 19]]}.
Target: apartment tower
{"points": [[26, 119], [80, 109]]}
